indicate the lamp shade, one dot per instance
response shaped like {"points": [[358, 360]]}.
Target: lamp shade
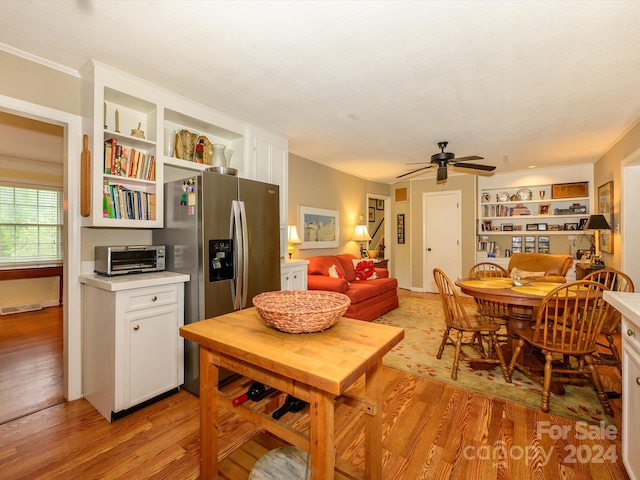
{"points": [[361, 234], [292, 235], [597, 222]]}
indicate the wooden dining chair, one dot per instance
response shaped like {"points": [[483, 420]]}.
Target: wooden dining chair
{"points": [[458, 320], [496, 311], [617, 282], [569, 322]]}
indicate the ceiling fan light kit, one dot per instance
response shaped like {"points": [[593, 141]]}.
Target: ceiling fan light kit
{"points": [[443, 159]]}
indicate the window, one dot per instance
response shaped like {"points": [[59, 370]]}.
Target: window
{"points": [[30, 226]]}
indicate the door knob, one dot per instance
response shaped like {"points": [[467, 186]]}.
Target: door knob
{"points": [[136, 327], [429, 249]]}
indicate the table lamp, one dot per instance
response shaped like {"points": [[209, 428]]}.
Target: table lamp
{"points": [[292, 239], [597, 223], [362, 235]]}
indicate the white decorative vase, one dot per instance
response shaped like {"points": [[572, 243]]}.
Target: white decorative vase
{"points": [[218, 159]]}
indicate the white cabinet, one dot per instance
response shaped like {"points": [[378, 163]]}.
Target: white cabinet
{"points": [[294, 275], [628, 304], [132, 350]]}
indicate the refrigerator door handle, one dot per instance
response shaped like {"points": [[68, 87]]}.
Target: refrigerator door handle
{"points": [[236, 234], [245, 254]]}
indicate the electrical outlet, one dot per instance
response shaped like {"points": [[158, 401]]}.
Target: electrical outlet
{"points": [[572, 237]]}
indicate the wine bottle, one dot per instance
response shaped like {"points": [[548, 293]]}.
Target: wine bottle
{"points": [[291, 404], [256, 391]]}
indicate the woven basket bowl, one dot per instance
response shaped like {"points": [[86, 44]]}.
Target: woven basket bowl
{"points": [[301, 311]]}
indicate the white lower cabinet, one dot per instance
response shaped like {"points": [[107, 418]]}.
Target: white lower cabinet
{"points": [[294, 275], [132, 349], [628, 304]]}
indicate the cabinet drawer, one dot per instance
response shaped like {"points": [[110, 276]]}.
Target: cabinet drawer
{"points": [[630, 334], [150, 297]]}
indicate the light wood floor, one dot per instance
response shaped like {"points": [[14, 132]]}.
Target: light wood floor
{"points": [[430, 430]]}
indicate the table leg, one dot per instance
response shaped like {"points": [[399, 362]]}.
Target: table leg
{"points": [[373, 423], [208, 416], [322, 435]]}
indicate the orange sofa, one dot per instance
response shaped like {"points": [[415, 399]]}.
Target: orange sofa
{"points": [[369, 298]]}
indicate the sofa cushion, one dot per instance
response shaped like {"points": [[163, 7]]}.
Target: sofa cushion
{"points": [[335, 271], [362, 290], [320, 265], [364, 268], [346, 260]]}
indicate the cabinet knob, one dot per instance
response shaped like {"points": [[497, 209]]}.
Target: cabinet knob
{"points": [[287, 277], [295, 276], [154, 298], [136, 327], [638, 380], [630, 332]]}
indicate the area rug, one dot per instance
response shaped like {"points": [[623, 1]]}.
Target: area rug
{"points": [[423, 324]]}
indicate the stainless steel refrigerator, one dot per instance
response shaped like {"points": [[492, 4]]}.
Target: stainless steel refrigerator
{"points": [[224, 232]]}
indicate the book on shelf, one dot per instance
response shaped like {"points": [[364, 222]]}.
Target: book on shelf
{"points": [[110, 149], [120, 202]]}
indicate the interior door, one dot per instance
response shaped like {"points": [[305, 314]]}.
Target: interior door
{"points": [[442, 242]]}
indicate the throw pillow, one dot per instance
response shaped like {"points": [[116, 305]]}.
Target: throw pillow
{"points": [[525, 274], [335, 272], [365, 269]]}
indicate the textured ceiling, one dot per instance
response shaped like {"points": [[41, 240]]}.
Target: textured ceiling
{"points": [[366, 87]]}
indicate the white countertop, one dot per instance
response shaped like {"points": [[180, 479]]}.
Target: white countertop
{"points": [[628, 304], [136, 280]]}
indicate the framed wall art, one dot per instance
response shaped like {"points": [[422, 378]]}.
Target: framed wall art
{"points": [[319, 227], [605, 207], [401, 228]]}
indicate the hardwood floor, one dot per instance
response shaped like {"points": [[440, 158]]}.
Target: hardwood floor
{"points": [[30, 362], [430, 430]]}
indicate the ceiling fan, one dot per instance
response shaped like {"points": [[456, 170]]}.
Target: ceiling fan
{"points": [[442, 159]]}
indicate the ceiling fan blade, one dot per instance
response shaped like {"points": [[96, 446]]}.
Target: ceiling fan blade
{"points": [[466, 159], [442, 174], [414, 171], [418, 163], [486, 168]]}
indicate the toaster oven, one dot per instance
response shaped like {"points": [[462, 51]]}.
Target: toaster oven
{"points": [[122, 260]]}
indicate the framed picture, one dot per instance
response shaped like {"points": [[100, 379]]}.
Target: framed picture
{"points": [[319, 227], [379, 204], [542, 226], [605, 207], [583, 222], [401, 228], [543, 208], [507, 227], [372, 214], [532, 226], [570, 226]]}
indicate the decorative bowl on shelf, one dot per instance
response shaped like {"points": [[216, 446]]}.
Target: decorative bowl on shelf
{"points": [[301, 311], [373, 253]]}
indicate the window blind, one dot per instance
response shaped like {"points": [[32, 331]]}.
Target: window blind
{"points": [[31, 222]]}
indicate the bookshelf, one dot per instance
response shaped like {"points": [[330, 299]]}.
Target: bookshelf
{"points": [[536, 217]]}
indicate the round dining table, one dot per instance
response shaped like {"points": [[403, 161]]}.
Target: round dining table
{"points": [[523, 302]]}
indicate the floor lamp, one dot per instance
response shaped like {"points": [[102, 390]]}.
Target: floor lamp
{"points": [[362, 235], [597, 223]]}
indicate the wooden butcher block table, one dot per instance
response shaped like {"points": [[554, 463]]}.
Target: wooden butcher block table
{"points": [[315, 367]]}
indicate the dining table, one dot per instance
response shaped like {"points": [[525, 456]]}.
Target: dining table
{"points": [[523, 302]]}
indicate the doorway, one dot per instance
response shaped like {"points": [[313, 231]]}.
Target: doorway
{"points": [[630, 234], [72, 145], [379, 226], [442, 232]]}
